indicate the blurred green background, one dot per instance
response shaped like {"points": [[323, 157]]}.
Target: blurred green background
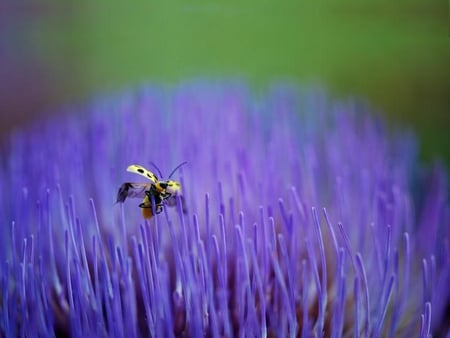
{"points": [[395, 54]]}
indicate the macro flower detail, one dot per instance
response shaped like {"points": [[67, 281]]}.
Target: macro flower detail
{"points": [[299, 217]]}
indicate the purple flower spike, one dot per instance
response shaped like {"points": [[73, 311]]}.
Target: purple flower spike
{"points": [[298, 217]]}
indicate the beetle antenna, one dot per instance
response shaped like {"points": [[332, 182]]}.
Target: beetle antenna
{"points": [[157, 169], [176, 168]]}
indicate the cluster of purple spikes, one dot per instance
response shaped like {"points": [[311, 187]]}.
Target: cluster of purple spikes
{"points": [[304, 218]]}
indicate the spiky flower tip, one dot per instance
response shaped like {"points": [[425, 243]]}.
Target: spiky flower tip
{"points": [[304, 218]]}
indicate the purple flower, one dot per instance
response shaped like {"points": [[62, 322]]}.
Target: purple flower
{"points": [[304, 218]]}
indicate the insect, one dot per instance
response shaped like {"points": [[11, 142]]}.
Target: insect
{"points": [[161, 192]]}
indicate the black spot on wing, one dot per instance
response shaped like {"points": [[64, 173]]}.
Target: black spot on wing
{"points": [[140, 170]]}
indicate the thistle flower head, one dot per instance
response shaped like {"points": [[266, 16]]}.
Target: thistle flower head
{"points": [[303, 218]]}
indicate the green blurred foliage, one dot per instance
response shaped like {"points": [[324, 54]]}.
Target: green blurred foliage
{"points": [[393, 53]]}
